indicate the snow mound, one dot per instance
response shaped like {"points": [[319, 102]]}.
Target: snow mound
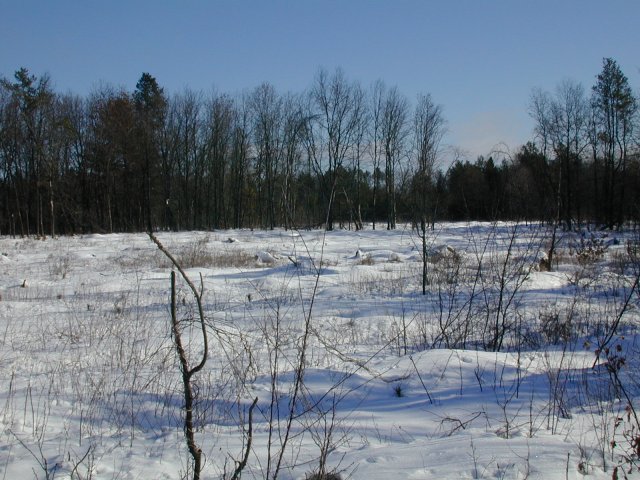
{"points": [[265, 257], [394, 257], [441, 252]]}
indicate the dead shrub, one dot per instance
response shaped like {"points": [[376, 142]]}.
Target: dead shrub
{"points": [[621, 262], [195, 254], [324, 476], [447, 264], [142, 260], [590, 250], [59, 265], [366, 260], [233, 259], [555, 328]]}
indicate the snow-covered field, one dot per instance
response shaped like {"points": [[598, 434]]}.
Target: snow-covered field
{"points": [[493, 373]]}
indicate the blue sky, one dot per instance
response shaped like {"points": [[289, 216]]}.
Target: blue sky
{"points": [[479, 59]]}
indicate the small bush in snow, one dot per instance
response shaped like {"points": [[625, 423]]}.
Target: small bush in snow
{"points": [[233, 259], [398, 391], [590, 250], [324, 476], [447, 263], [555, 328], [633, 250], [59, 265], [195, 254], [366, 260]]}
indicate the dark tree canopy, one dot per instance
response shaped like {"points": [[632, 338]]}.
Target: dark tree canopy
{"points": [[338, 155]]}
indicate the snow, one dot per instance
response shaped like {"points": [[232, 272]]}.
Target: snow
{"points": [[392, 387], [266, 257]]}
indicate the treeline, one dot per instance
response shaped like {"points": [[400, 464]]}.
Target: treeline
{"points": [[336, 155]]}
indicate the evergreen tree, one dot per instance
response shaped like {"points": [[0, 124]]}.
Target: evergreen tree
{"points": [[614, 107], [150, 105]]}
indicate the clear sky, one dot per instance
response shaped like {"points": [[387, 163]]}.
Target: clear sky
{"points": [[479, 59]]}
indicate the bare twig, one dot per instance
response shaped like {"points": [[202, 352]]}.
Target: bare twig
{"points": [[187, 372], [243, 463], [616, 323]]}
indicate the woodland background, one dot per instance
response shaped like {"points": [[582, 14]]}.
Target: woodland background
{"points": [[339, 154]]}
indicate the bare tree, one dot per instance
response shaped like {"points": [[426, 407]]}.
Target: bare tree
{"points": [[362, 116], [336, 126], [561, 124], [111, 197], [179, 150], [395, 112], [429, 128], [217, 148], [375, 138], [569, 120], [540, 112], [292, 138], [266, 106], [239, 162], [71, 151]]}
